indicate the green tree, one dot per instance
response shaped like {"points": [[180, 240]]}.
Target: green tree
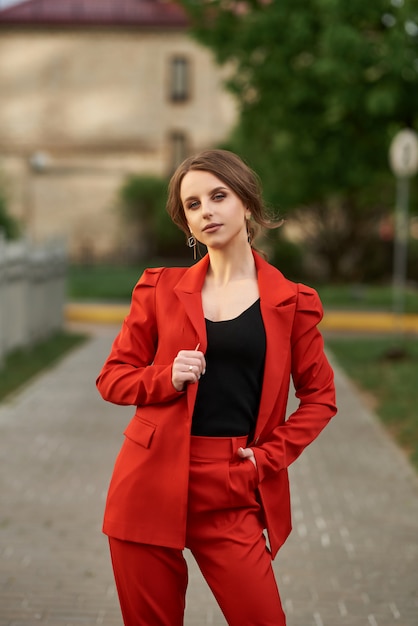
{"points": [[322, 86]]}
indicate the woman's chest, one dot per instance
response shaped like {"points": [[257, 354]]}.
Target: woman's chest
{"points": [[227, 303]]}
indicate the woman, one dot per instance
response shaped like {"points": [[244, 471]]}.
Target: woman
{"points": [[206, 355]]}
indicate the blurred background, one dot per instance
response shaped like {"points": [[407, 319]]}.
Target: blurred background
{"points": [[100, 100]]}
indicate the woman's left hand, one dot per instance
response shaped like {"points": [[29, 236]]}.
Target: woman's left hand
{"points": [[247, 453]]}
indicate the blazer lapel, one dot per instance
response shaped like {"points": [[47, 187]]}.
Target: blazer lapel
{"points": [[278, 306], [188, 291]]}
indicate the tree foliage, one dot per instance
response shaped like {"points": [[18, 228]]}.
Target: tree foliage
{"points": [[322, 86]]}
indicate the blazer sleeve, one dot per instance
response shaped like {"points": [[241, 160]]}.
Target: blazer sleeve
{"points": [[313, 380], [129, 375]]}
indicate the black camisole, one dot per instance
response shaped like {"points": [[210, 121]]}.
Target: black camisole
{"points": [[229, 392]]}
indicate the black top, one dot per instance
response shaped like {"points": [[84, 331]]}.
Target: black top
{"points": [[229, 392]]}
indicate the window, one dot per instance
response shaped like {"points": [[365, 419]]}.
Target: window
{"points": [[179, 79], [178, 148]]}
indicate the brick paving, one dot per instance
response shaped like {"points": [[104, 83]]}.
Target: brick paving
{"points": [[352, 559]]}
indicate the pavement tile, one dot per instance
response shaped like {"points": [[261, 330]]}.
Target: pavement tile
{"points": [[351, 560]]}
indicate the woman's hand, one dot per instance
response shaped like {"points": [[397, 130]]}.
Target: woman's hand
{"points": [[188, 367], [247, 453]]}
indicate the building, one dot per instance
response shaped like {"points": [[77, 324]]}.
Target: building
{"points": [[90, 91]]}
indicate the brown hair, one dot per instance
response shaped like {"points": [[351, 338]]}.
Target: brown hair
{"points": [[232, 171]]}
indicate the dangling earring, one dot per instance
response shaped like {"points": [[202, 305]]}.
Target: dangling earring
{"points": [[191, 242], [249, 238]]}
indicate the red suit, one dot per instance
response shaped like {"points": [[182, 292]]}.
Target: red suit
{"points": [[147, 499]]}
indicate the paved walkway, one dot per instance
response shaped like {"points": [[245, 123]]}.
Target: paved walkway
{"points": [[352, 559]]}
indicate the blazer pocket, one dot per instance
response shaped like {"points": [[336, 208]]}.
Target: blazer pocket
{"points": [[140, 431]]}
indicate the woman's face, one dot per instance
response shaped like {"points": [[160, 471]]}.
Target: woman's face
{"points": [[215, 214]]}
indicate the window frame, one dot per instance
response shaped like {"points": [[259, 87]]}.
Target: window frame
{"points": [[180, 78]]}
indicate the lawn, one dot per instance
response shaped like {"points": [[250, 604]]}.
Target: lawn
{"points": [[392, 383], [365, 297], [113, 283], [102, 282]]}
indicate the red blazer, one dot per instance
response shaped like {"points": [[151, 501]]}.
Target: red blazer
{"points": [[147, 498]]}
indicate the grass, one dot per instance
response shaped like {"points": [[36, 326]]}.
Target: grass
{"points": [[112, 283], [102, 282], [392, 383], [21, 365], [365, 297]]}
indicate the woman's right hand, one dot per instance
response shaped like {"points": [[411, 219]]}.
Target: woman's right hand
{"points": [[188, 367]]}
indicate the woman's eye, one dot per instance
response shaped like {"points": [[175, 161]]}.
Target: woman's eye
{"points": [[193, 205], [219, 196]]}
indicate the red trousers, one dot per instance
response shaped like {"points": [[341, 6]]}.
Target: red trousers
{"points": [[225, 536]]}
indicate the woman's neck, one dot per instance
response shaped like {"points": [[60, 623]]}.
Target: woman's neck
{"points": [[232, 266]]}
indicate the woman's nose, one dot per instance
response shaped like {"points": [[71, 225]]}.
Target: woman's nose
{"points": [[206, 208]]}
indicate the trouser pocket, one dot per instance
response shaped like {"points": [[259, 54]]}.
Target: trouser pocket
{"points": [[243, 482]]}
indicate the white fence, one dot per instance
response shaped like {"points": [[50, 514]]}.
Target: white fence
{"points": [[32, 292]]}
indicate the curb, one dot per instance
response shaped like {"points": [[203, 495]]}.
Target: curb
{"points": [[369, 322], [333, 320], [96, 313]]}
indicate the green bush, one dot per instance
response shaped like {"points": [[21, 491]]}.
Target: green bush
{"points": [[413, 260], [8, 225], [143, 200], [287, 257]]}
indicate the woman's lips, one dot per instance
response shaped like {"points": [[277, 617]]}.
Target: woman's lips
{"points": [[211, 228]]}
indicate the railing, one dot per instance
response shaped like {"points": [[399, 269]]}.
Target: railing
{"points": [[32, 292]]}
